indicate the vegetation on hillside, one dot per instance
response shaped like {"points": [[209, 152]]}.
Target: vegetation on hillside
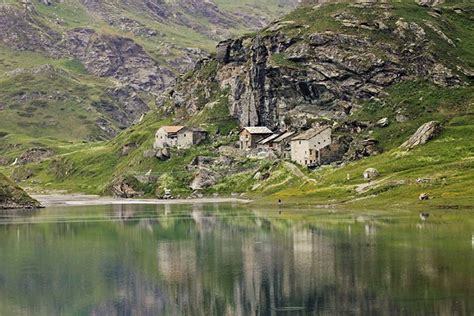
{"points": [[444, 164]]}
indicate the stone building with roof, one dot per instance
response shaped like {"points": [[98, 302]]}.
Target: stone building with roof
{"points": [[250, 136], [306, 147], [279, 143], [190, 136], [178, 136]]}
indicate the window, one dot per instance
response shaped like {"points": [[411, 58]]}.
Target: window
{"points": [[310, 151], [184, 135], [300, 142]]}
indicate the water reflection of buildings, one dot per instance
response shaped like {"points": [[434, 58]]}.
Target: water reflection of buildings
{"points": [[239, 272]]}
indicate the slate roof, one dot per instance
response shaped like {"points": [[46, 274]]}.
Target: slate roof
{"points": [[172, 129], [284, 136], [311, 133], [258, 130], [268, 139]]}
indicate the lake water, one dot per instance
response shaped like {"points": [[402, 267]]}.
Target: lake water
{"points": [[220, 259]]}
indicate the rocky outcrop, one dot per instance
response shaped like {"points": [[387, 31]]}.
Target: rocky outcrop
{"points": [[117, 57], [209, 170], [282, 80], [163, 154], [13, 197], [370, 174], [204, 179], [128, 106], [103, 55], [22, 31], [429, 3], [425, 133], [124, 187], [424, 197], [34, 155]]}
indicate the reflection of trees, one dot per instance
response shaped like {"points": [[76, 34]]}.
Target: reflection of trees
{"points": [[216, 260]]}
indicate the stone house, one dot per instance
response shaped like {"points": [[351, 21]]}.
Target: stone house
{"points": [[178, 136], [189, 136], [250, 136], [306, 147], [282, 144], [167, 136]]}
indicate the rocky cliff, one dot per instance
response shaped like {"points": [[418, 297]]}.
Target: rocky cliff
{"points": [[324, 62]]}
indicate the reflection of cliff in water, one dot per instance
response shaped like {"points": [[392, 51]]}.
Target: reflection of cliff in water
{"points": [[241, 269]]}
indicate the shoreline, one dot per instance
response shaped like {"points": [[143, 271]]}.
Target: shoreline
{"points": [[96, 200]]}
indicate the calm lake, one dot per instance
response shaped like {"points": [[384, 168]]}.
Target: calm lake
{"points": [[222, 259]]}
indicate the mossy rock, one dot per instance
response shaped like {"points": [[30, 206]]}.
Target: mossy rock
{"points": [[13, 197]]}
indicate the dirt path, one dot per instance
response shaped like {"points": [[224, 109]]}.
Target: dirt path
{"points": [[361, 188]]}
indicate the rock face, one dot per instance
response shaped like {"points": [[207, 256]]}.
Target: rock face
{"points": [[108, 56], [209, 170], [22, 32], [279, 79], [124, 188], [203, 179], [13, 197], [425, 133], [117, 57]]}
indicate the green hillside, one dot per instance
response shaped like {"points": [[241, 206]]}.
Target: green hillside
{"points": [[45, 90], [443, 163]]}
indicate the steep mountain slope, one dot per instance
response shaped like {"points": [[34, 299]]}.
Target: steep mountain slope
{"points": [[12, 197], [324, 62], [107, 60], [340, 64]]}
